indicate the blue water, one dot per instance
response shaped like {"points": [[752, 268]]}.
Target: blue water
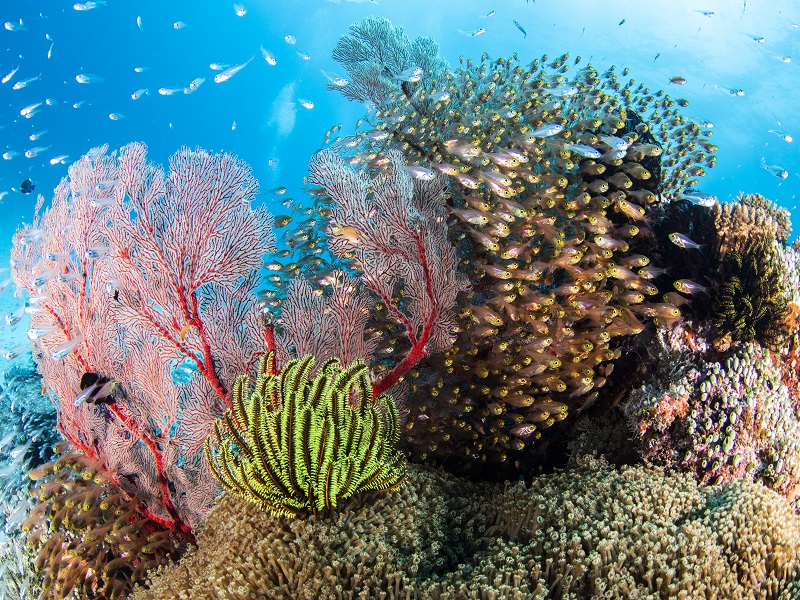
{"points": [[271, 126]]}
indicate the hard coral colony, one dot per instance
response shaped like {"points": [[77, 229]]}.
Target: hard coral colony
{"points": [[474, 264]]}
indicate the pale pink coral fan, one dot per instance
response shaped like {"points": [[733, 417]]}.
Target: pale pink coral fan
{"points": [[150, 276]]}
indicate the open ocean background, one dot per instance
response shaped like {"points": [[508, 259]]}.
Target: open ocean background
{"points": [[277, 135]]}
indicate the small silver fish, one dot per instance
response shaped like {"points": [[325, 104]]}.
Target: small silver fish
{"points": [[23, 83], [682, 241], [699, 198], [784, 136], [585, 151], [411, 74], [88, 78], [139, 93], [524, 33], [8, 77], [268, 56], [547, 130], [231, 71], [776, 170]]}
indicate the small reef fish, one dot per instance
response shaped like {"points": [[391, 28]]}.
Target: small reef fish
{"points": [[678, 80], [12, 26], [303, 55], [33, 152], [682, 241], [35, 136], [705, 13], [784, 136], [115, 116], [585, 151], [290, 39], [522, 29], [699, 198], [88, 78], [491, 13], [475, 33], [139, 93], [687, 286], [194, 84], [50, 51], [732, 91], [308, 104], [23, 83], [165, 91], [61, 159], [139, 23], [756, 38], [231, 71], [547, 130], [776, 170], [268, 56], [334, 78], [240, 10], [141, 69], [31, 108], [411, 74], [179, 25], [82, 6], [8, 77]]}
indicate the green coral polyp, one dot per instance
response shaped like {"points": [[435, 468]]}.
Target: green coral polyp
{"points": [[299, 444]]}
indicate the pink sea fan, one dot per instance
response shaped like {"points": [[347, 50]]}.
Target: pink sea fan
{"points": [[150, 275], [394, 229]]}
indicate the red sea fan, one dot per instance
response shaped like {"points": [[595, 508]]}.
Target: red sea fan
{"points": [[394, 229], [146, 277]]}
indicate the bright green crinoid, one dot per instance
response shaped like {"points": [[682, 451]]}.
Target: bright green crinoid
{"points": [[298, 444]]}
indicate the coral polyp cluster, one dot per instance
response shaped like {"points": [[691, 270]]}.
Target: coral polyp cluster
{"points": [[554, 181], [721, 420]]}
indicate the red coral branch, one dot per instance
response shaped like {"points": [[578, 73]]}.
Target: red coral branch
{"points": [[418, 347]]}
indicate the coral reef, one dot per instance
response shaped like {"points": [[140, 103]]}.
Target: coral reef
{"points": [[89, 535], [719, 420], [588, 532], [299, 444], [747, 219]]}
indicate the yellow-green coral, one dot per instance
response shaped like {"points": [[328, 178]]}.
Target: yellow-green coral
{"points": [[299, 444]]}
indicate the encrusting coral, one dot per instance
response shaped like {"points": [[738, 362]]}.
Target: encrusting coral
{"points": [[718, 419], [589, 532], [302, 444]]}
